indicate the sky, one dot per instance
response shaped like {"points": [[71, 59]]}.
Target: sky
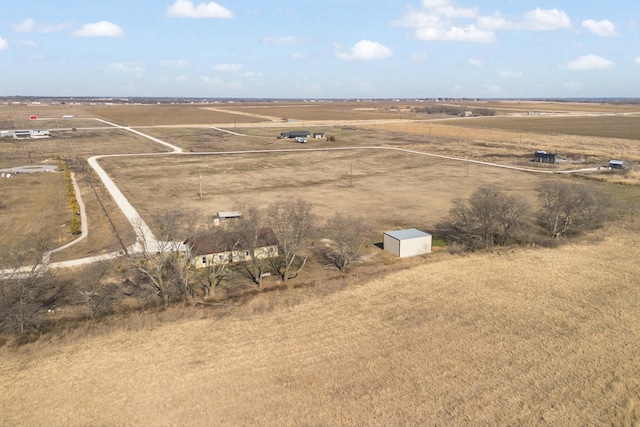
{"points": [[319, 49]]}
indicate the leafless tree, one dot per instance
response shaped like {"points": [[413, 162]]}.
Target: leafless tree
{"points": [[162, 263], [347, 234], [295, 225], [252, 232], [28, 291], [489, 218], [219, 269], [99, 296], [569, 209]]}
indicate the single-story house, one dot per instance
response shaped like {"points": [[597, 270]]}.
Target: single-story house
{"points": [[318, 135], [541, 156], [617, 164], [295, 134], [407, 243], [222, 247]]}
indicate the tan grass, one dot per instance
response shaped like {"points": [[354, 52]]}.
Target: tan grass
{"points": [[515, 338]]}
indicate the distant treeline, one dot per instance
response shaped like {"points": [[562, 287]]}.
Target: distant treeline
{"points": [[452, 110]]}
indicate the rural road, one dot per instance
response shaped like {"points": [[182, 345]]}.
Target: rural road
{"points": [[145, 238]]}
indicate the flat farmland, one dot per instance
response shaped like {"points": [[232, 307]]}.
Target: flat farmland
{"points": [[524, 107], [391, 189], [330, 111], [619, 127], [502, 138], [151, 115]]}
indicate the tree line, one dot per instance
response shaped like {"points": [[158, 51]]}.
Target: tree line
{"points": [[492, 218]]}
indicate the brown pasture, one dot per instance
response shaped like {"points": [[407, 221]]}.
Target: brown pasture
{"points": [[391, 189], [521, 337]]}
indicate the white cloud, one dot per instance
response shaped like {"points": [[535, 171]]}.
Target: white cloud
{"points": [[446, 8], [4, 44], [171, 63], [510, 74], [186, 9], [132, 68], [25, 26], [475, 62], [100, 29], [227, 67], [600, 28], [252, 74], [575, 86], [365, 50], [546, 20], [589, 62], [534, 20], [210, 81], [638, 60], [469, 33]]}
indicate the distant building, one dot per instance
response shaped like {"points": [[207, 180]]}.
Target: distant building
{"points": [[40, 133], [295, 134], [22, 134], [225, 216], [318, 135], [222, 247], [407, 243], [541, 156], [617, 164]]}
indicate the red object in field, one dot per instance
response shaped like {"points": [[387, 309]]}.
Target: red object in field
{"points": [[34, 117]]}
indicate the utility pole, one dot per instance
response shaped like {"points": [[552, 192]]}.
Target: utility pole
{"points": [[622, 157], [200, 180], [467, 165]]}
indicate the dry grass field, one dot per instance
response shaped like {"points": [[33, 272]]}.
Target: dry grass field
{"points": [[391, 189], [523, 337]]}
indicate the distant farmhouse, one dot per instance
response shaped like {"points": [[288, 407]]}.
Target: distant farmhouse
{"points": [[222, 247], [541, 156]]}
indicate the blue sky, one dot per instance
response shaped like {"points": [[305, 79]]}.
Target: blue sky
{"points": [[320, 48]]}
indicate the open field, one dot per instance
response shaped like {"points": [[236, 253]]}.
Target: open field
{"points": [[525, 337], [391, 189], [512, 145], [34, 206], [524, 107], [619, 127]]}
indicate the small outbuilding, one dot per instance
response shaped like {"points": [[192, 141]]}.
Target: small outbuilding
{"points": [[541, 156], [616, 164], [407, 243]]}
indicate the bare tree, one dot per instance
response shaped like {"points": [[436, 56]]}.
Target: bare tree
{"points": [[294, 225], [348, 235], [253, 234], [489, 218], [569, 209], [217, 248], [99, 296], [162, 263], [28, 291]]}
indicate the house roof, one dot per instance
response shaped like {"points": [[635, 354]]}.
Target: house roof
{"points": [[409, 233], [220, 241], [616, 162]]}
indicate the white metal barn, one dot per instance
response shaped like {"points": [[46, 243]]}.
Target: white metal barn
{"points": [[407, 243]]}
